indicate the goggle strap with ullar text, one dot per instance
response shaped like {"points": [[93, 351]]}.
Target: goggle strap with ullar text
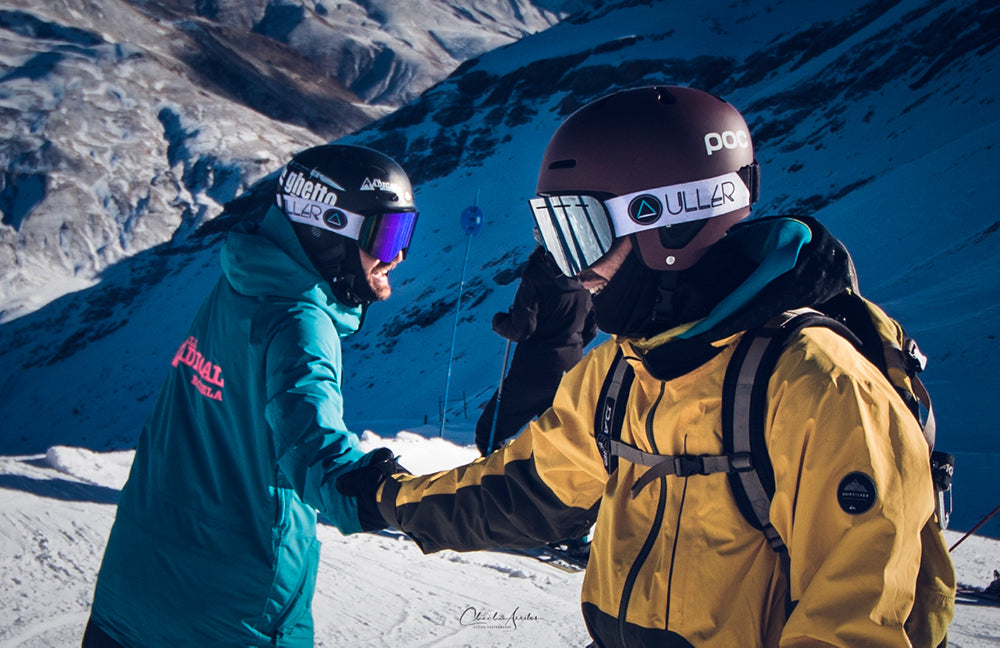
{"points": [[381, 235]]}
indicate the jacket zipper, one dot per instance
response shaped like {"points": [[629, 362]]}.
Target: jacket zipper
{"points": [[647, 546]]}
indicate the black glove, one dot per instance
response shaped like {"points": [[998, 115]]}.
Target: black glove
{"points": [[362, 484], [496, 323]]}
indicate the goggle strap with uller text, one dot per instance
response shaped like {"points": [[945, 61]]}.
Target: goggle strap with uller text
{"points": [[382, 235]]}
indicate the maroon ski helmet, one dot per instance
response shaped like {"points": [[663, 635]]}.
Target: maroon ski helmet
{"points": [[657, 138]]}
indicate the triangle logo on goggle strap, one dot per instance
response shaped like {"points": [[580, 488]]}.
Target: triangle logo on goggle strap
{"points": [[645, 209], [335, 219]]}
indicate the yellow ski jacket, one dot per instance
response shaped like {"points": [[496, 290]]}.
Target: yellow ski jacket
{"points": [[678, 564]]}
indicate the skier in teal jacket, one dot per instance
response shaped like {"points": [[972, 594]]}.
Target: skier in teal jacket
{"points": [[214, 542]]}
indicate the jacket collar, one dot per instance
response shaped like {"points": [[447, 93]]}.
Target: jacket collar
{"points": [[793, 262], [264, 259]]}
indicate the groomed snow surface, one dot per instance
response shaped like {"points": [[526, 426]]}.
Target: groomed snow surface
{"points": [[373, 590]]}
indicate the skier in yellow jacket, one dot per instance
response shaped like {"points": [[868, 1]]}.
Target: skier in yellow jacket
{"points": [[641, 195]]}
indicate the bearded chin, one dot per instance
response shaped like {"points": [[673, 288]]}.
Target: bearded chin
{"points": [[378, 291]]}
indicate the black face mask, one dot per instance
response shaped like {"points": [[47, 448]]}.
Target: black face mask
{"points": [[640, 302], [625, 306], [630, 305]]}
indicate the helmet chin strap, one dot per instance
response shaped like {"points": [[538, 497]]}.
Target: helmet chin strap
{"points": [[343, 288], [337, 261], [663, 308], [350, 284]]}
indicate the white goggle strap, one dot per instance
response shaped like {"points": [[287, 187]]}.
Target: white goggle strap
{"points": [[674, 204], [322, 215]]}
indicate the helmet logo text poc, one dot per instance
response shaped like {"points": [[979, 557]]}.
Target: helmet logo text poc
{"points": [[727, 139]]}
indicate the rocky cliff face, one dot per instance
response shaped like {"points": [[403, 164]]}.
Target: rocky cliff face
{"points": [[130, 122]]}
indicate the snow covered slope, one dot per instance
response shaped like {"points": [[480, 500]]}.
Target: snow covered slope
{"points": [[878, 116], [372, 590]]}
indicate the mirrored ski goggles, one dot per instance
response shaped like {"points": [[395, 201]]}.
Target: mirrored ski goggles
{"points": [[579, 229], [383, 235]]}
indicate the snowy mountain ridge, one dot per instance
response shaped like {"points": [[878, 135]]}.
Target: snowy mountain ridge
{"points": [[130, 122]]}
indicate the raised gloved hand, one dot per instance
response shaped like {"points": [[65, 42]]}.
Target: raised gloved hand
{"points": [[363, 483]]}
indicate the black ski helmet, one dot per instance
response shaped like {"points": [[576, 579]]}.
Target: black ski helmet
{"points": [[656, 137], [332, 194]]}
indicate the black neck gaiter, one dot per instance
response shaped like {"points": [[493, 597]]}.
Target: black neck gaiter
{"points": [[639, 302], [625, 306]]}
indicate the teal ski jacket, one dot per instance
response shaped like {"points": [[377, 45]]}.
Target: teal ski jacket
{"points": [[214, 541]]}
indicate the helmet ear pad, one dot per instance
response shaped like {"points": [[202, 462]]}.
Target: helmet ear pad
{"points": [[338, 261], [663, 251], [326, 250]]}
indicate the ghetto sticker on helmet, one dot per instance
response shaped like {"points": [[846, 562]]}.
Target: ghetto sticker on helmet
{"points": [[856, 493]]}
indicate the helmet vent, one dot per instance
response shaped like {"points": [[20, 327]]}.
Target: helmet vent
{"points": [[386, 196], [665, 97], [562, 164]]}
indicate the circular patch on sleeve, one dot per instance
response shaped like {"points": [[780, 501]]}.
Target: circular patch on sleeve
{"points": [[856, 493]]}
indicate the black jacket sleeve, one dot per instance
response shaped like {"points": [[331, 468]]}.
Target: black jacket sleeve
{"points": [[520, 321]]}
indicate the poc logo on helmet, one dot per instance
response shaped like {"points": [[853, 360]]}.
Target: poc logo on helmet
{"points": [[727, 139]]}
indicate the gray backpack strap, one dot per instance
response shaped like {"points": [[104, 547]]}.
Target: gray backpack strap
{"points": [[609, 415], [678, 465], [910, 360], [744, 411], [609, 418]]}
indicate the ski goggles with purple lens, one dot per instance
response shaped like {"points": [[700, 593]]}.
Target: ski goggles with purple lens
{"points": [[387, 234], [383, 235], [579, 229]]}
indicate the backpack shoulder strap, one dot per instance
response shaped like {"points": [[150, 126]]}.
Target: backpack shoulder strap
{"points": [[744, 410], [887, 346], [609, 415]]}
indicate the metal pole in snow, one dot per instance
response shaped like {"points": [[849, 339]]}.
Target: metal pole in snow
{"points": [[975, 528], [472, 223], [496, 405], [454, 331]]}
